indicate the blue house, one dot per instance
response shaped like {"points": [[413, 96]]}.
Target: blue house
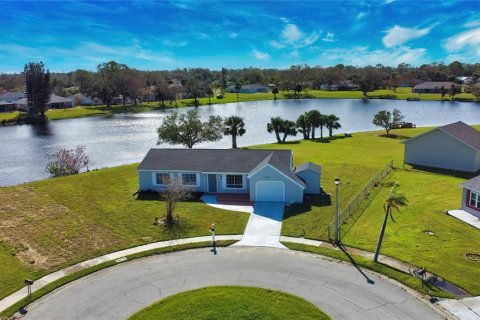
{"points": [[265, 175]]}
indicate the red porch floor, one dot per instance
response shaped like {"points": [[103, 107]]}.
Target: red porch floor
{"points": [[229, 198]]}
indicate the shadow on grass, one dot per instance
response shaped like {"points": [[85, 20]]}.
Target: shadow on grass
{"points": [[352, 261], [394, 136], [322, 200], [329, 139], [459, 174]]}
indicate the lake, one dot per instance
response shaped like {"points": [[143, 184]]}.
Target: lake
{"points": [[125, 138]]}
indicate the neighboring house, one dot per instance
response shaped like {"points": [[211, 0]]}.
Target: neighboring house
{"points": [[7, 106], [148, 93], [471, 196], [340, 86], [81, 99], [56, 102], [435, 87], [455, 146], [265, 175], [11, 96], [248, 88]]}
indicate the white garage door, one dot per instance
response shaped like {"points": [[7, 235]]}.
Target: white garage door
{"points": [[270, 191]]}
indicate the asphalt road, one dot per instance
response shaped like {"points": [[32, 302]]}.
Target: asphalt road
{"points": [[340, 290]]}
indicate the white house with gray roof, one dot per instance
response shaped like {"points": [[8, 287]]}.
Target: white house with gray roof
{"points": [[471, 196], [265, 175], [455, 146]]}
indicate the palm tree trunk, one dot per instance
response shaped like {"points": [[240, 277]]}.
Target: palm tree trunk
{"points": [[321, 132], [330, 131], [313, 133], [278, 136], [234, 141], [382, 233]]}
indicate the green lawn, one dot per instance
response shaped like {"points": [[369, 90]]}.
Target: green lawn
{"points": [[84, 111], [49, 224], [232, 303], [442, 253], [355, 160]]}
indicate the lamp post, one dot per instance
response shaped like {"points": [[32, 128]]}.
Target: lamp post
{"points": [[337, 218]]}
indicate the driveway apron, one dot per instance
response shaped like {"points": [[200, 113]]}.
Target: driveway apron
{"points": [[264, 226]]}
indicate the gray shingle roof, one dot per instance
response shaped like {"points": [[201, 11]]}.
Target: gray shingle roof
{"points": [[464, 133], [309, 166], [218, 160], [435, 84], [472, 184], [460, 131]]}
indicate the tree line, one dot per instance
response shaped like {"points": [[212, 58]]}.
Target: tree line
{"points": [[112, 78]]}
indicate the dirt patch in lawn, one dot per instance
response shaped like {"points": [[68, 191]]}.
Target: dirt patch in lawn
{"points": [[473, 257], [43, 233]]}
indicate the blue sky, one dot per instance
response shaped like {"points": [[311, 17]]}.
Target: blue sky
{"points": [[149, 35]]}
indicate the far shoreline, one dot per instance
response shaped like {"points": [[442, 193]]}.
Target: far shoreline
{"points": [[18, 118]]}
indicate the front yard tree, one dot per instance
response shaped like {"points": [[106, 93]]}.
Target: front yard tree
{"points": [[38, 90], [387, 119], [174, 192], [393, 201], [188, 129], [304, 126], [234, 126], [66, 162], [331, 122], [275, 92]]}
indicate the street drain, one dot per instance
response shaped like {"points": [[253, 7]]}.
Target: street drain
{"points": [[473, 257]]}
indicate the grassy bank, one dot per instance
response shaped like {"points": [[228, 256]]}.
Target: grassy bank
{"points": [[49, 224], [10, 118], [231, 302]]}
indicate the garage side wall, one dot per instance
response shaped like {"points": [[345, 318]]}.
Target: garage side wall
{"points": [[439, 150], [293, 192]]}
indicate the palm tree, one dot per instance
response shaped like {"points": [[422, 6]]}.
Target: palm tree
{"points": [[314, 117], [393, 200], [275, 125], [234, 126], [303, 125], [288, 129], [238, 86], [275, 92], [332, 123], [209, 93], [322, 123]]}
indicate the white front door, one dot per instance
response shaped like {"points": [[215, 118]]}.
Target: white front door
{"points": [[270, 191]]}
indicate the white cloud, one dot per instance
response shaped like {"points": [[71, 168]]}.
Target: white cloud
{"points": [[472, 24], [260, 55], [291, 33], [362, 56], [469, 40], [277, 44], [398, 35], [233, 35], [292, 37], [361, 15], [329, 37], [294, 54], [171, 43]]}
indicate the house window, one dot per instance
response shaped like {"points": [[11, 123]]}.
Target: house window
{"points": [[234, 181], [474, 199], [189, 179], [162, 178]]}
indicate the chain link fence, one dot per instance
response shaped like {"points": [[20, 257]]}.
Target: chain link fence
{"points": [[350, 209]]}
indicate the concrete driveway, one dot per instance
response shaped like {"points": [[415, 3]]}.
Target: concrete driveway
{"points": [[338, 289], [264, 226]]}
